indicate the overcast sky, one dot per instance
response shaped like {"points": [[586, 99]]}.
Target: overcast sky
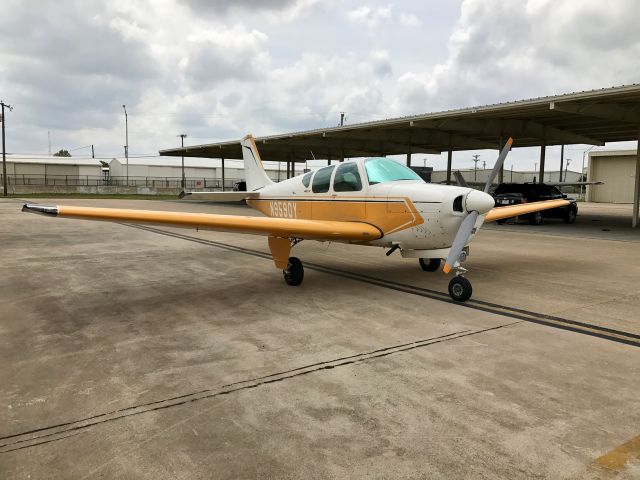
{"points": [[216, 69]]}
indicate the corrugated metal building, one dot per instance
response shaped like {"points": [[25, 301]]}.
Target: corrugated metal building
{"points": [[616, 169], [30, 166], [163, 169]]}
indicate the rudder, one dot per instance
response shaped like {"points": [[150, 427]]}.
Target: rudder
{"points": [[255, 174]]}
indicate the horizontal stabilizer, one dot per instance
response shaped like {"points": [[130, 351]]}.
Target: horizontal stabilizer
{"points": [[217, 196], [572, 184]]}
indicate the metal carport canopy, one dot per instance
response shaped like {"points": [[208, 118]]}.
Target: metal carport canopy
{"points": [[592, 117]]}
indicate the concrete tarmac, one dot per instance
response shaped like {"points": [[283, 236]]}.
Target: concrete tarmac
{"points": [[130, 352]]}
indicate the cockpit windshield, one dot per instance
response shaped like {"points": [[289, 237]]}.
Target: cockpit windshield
{"points": [[385, 170]]}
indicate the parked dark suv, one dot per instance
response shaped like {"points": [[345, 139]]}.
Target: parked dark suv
{"points": [[515, 193]]}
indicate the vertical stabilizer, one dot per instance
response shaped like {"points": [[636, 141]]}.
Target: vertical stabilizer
{"points": [[256, 176]]}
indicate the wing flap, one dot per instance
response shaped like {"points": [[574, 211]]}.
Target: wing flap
{"points": [[278, 227], [498, 213]]}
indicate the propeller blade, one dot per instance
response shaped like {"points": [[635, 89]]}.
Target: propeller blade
{"points": [[498, 165], [462, 238]]}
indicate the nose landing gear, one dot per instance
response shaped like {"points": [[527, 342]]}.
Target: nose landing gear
{"points": [[460, 288]]}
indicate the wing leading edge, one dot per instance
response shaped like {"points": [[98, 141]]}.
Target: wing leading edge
{"points": [[270, 226], [498, 213]]}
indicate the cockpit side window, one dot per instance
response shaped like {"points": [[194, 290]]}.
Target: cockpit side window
{"points": [[347, 178], [306, 180], [322, 179]]}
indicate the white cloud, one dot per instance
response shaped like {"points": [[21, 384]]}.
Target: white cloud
{"points": [[216, 70], [409, 20], [369, 16], [501, 51]]}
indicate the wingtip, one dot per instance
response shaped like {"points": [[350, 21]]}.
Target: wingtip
{"points": [[40, 209]]}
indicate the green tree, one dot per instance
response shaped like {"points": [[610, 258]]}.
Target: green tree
{"points": [[62, 153]]}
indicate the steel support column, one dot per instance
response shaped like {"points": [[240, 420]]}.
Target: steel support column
{"points": [[561, 162], [636, 191], [222, 174], [501, 171], [449, 162], [543, 154], [409, 157]]}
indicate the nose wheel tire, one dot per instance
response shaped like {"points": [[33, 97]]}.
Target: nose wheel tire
{"points": [[460, 289], [430, 264], [294, 273]]}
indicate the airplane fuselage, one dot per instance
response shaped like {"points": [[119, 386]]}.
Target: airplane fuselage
{"points": [[419, 217]]}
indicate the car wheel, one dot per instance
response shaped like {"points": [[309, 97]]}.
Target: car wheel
{"points": [[535, 218], [570, 216]]}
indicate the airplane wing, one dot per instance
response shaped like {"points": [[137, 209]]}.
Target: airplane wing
{"points": [[498, 213], [269, 226]]}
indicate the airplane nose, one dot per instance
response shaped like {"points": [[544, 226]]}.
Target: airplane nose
{"points": [[479, 202]]}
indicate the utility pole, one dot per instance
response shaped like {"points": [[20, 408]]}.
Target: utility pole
{"points": [[126, 137], [341, 119], [49, 138], [567, 168], [476, 159], [4, 153], [182, 137], [93, 153]]}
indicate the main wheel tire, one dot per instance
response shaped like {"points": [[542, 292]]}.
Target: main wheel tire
{"points": [[460, 289], [535, 218], [570, 216], [430, 264], [294, 273]]}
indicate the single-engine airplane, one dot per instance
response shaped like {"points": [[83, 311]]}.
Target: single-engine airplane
{"points": [[374, 202]]}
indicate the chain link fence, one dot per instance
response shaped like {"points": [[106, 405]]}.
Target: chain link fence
{"points": [[96, 181]]}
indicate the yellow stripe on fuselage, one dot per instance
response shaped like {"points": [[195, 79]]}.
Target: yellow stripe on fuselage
{"points": [[388, 214]]}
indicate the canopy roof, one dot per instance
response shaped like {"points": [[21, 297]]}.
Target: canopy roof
{"points": [[591, 117]]}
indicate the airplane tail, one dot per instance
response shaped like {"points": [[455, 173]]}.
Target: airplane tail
{"points": [[256, 176]]}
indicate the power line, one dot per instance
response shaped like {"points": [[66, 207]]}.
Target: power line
{"points": [[476, 159], [4, 154]]}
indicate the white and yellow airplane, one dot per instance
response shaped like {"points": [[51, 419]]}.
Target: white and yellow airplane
{"points": [[375, 202]]}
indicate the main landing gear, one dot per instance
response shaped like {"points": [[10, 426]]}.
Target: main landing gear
{"points": [[294, 273], [430, 264]]}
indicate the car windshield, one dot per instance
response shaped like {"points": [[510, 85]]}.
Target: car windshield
{"points": [[385, 170]]}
